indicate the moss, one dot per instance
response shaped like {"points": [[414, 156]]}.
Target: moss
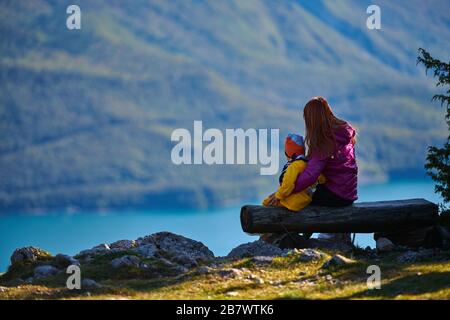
{"points": [[100, 268], [25, 269], [18, 271]]}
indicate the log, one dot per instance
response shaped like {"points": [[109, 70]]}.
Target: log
{"points": [[364, 217]]}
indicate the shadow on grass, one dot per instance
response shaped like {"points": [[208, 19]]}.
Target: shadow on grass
{"points": [[407, 285], [53, 289]]}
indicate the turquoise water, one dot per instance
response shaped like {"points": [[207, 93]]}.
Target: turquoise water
{"points": [[219, 229]]}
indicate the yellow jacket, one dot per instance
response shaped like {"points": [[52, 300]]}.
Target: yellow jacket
{"points": [[289, 200]]}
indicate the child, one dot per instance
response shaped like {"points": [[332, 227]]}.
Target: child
{"points": [[295, 152]]}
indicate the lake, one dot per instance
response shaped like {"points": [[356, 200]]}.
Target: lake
{"points": [[219, 229]]}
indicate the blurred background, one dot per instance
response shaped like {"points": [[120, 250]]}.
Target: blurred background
{"points": [[86, 115]]}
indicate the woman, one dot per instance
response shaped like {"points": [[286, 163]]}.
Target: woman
{"points": [[331, 152], [330, 143]]}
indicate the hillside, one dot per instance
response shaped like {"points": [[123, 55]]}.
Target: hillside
{"points": [[165, 266], [86, 116]]}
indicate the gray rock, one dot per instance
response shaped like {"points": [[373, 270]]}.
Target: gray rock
{"points": [[307, 255], [258, 280], [166, 262], [230, 273], [3, 289], [102, 247], [89, 284], [173, 265], [256, 248], [123, 245], [277, 283], [97, 250], [146, 250], [293, 252], [262, 259], [144, 266], [330, 279], [204, 270], [163, 266], [28, 254], [45, 271], [385, 245], [180, 269], [184, 251], [185, 260], [336, 261], [63, 261], [305, 282], [255, 279], [408, 256], [125, 261]]}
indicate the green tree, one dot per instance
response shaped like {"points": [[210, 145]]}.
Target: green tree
{"points": [[438, 165]]}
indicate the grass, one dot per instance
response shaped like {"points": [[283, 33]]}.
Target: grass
{"points": [[284, 278]]}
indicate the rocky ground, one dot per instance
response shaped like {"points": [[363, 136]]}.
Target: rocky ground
{"points": [[169, 266]]}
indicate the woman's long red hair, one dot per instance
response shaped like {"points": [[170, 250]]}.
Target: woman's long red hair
{"points": [[320, 123]]}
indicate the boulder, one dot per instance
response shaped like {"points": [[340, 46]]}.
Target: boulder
{"points": [[63, 261], [308, 255], [185, 251], [420, 255], [89, 284], [230, 273], [262, 259], [97, 250], [185, 260], [123, 245], [28, 254], [163, 267], [256, 248], [125, 261], [408, 257], [336, 261], [255, 279], [29, 280], [45, 271], [385, 245], [204, 270], [147, 250]]}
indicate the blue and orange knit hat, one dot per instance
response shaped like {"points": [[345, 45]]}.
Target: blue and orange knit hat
{"points": [[294, 145]]}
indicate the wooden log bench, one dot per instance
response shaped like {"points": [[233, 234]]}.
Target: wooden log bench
{"points": [[364, 217]]}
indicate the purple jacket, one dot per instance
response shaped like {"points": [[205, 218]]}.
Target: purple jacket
{"points": [[340, 169]]}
